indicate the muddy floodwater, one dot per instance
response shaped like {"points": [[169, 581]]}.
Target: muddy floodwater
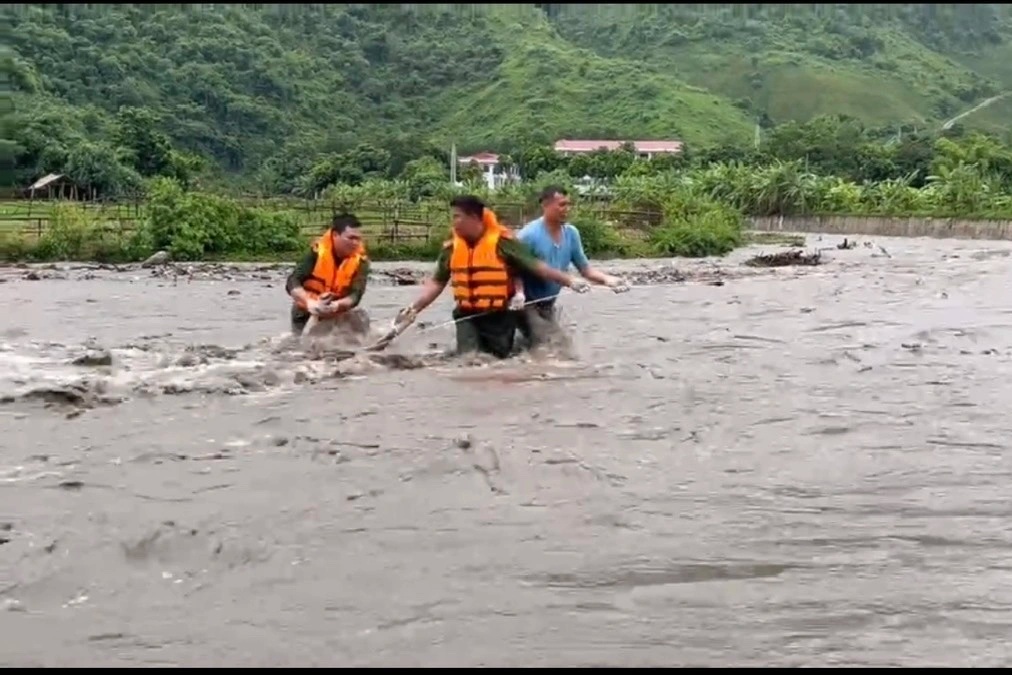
{"points": [[800, 466]]}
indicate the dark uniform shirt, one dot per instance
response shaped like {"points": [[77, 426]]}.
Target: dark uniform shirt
{"points": [[304, 270]]}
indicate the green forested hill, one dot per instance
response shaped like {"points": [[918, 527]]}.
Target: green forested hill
{"points": [[914, 63], [261, 91]]}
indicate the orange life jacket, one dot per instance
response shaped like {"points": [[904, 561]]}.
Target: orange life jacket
{"points": [[490, 220], [480, 279], [327, 275]]}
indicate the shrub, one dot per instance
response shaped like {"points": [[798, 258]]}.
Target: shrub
{"points": [[193, 225], [68, 235], [710, 235], [15, 247], [600, 239], [696, 227], [381, 249], [266, 232]]}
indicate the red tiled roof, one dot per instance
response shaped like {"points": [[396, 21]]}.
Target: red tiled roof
{"points": [[658, 146], [641, 146]]}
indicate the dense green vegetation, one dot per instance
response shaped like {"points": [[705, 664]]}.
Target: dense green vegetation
{"points": [[359, 104], [288, 98], [265, 91], [883, 63], [643, 210]]}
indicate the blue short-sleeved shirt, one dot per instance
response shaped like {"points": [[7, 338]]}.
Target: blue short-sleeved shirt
{"points": [[559, 256]]}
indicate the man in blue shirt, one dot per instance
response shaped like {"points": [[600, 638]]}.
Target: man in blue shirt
{"points": [[558, 244]]}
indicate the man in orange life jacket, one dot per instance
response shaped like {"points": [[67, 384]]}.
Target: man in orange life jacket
{"points": [[481, 262], [330, 281]]}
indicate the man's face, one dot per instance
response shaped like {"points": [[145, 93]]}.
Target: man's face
{"points": [[466, 226], [347, 242], [556, 207]]}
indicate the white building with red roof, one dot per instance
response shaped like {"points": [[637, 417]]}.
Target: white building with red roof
{"points": [[492, 172]]}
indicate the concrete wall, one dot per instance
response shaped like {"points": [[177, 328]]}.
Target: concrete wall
{"points": [[940, 228]]}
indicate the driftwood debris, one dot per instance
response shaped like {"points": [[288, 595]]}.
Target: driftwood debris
{"points": [[786, 258], [404, 276]]}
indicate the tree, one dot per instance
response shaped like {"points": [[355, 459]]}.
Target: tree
{"points": [[426, 177], [143, 147], [97, 169], [533, 160]]}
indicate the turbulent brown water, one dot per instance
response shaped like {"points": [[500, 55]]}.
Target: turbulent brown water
{"points": [[798, 466]]}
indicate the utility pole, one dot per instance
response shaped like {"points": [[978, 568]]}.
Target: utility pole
{"points": [[453, 164]]}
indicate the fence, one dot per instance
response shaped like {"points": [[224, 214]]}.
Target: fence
{"points": [[393, 221], [939, 228], [397, 221]]}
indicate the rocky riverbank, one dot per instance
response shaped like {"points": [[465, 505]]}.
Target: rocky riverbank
{"points": [[408, 273]]}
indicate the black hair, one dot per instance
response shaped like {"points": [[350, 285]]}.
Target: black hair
{"points": [[550, 192], [469, 204], [342, 221]]}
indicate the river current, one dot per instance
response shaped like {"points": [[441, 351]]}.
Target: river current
{"points": [[736, 466]]}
